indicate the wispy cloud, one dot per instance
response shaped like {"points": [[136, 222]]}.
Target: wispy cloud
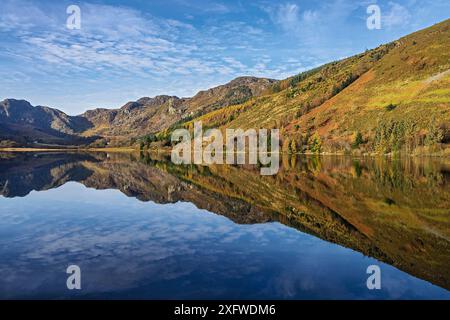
{"points": [[397, 15], [180, 46], [287, 16], [119, 39], [208, 8], [111, 38]]}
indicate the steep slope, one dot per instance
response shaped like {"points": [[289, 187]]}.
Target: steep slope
{"points": [[23, 123], [143, 115], [410, 84], [150, 115], [390, 93], [394, 98], [236, 91]]}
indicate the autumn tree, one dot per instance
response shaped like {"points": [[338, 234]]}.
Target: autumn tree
{"points": [[316, 143], [435, 134]]}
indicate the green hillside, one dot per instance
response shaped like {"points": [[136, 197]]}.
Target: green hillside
{"points": [[394, 98]]}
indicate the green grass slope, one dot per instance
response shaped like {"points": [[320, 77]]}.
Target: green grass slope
{"points": [[395, 97]]}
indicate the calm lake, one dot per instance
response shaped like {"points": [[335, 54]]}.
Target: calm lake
{"points": [[142, 227]]}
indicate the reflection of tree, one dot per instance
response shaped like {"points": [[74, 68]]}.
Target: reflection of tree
{"points": [[391, 209], [404, 174], [357, 167], [351, 202]]}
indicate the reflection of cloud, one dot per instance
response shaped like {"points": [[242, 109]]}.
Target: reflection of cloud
{"points": [[130, 248], [149, 246]]}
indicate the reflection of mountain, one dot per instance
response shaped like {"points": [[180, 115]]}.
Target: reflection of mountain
{"points": [[393, 211], [22, 173]]}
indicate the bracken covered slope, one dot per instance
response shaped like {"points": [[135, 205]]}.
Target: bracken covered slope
{"points": [[399, 91], [395, 97]]}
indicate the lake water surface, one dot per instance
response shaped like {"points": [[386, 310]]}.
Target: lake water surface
{"points": [[140, 227]]}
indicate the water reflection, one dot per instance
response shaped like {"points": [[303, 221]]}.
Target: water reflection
{"points": [[395, 211]]}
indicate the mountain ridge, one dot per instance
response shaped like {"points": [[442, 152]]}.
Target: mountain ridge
{"points": [[393, 98], [22, 124]]}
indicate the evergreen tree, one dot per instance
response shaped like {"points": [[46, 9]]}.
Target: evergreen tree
{"points": [[358, 140]]}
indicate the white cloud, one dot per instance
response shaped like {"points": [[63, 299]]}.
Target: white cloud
{"points": [[21, 15], [205, 8], [117, 40], [397, 15], [125, 48], [287, 16], [112, 38]]}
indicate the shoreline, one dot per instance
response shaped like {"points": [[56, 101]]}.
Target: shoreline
{"points": [[130, 150], [68, 150]]}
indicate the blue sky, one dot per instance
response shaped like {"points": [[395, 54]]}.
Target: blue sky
{"points": [[129, 49]]}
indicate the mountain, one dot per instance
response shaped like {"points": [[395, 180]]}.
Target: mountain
{"points": [[393, 98], [150, 115], [25, 124]]}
